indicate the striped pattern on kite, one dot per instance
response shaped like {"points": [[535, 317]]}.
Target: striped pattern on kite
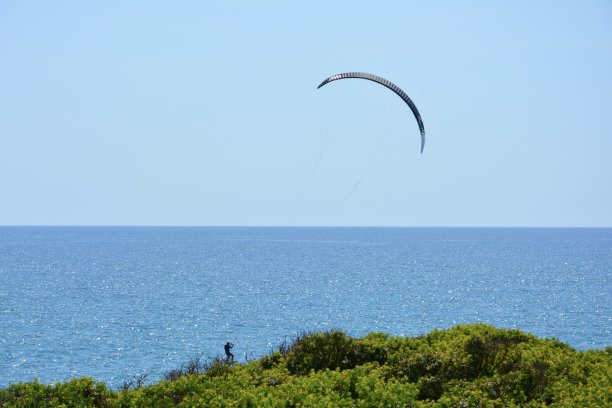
{"points": [[389, 85]]}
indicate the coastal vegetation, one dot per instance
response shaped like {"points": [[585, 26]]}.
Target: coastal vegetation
{"points": [[465, 366]]}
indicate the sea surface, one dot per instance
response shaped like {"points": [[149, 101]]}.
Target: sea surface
{"points": [[115, 302]]}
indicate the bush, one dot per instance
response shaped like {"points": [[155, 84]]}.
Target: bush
{"points": [[212, 368], [82, 392], [472, 365], [330, 350]]}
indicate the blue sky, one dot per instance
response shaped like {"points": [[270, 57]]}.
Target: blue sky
{"points": [[207, 113]]}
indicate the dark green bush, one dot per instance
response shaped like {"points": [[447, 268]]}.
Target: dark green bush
{"points": [[331, 350], [493, 352], [319, 351]]}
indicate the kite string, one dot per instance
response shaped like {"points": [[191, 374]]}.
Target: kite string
{"points": [[366, 171], [383, 162], [331, 137]]}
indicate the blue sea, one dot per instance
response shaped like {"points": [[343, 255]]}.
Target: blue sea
{"points": [[115, 302]]}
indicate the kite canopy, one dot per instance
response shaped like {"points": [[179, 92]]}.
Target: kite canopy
{"points": [[389, 85]]}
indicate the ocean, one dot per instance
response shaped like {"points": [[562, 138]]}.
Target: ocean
{"points": [[114, 302]]}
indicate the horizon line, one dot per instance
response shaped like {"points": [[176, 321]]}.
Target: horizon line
{"points": [[289, 226]]}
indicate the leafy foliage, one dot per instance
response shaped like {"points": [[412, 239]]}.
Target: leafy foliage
{"points": [[473, 365]]}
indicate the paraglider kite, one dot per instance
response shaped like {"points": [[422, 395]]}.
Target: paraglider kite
{"points": [[389, 85]]}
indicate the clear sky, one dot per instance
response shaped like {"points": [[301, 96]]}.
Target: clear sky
{"points": [[207, 113]]}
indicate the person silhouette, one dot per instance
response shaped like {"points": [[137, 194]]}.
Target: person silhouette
{"points": [[230, 357]]}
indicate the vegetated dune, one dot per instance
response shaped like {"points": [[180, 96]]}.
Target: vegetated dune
{"points": [[470, 365]]}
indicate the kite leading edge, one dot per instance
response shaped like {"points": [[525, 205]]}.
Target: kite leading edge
{"points": [[390, 86]]}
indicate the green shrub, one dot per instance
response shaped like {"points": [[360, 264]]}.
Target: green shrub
{"points": [[465, 366], [81, 392], [331, 350]]}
